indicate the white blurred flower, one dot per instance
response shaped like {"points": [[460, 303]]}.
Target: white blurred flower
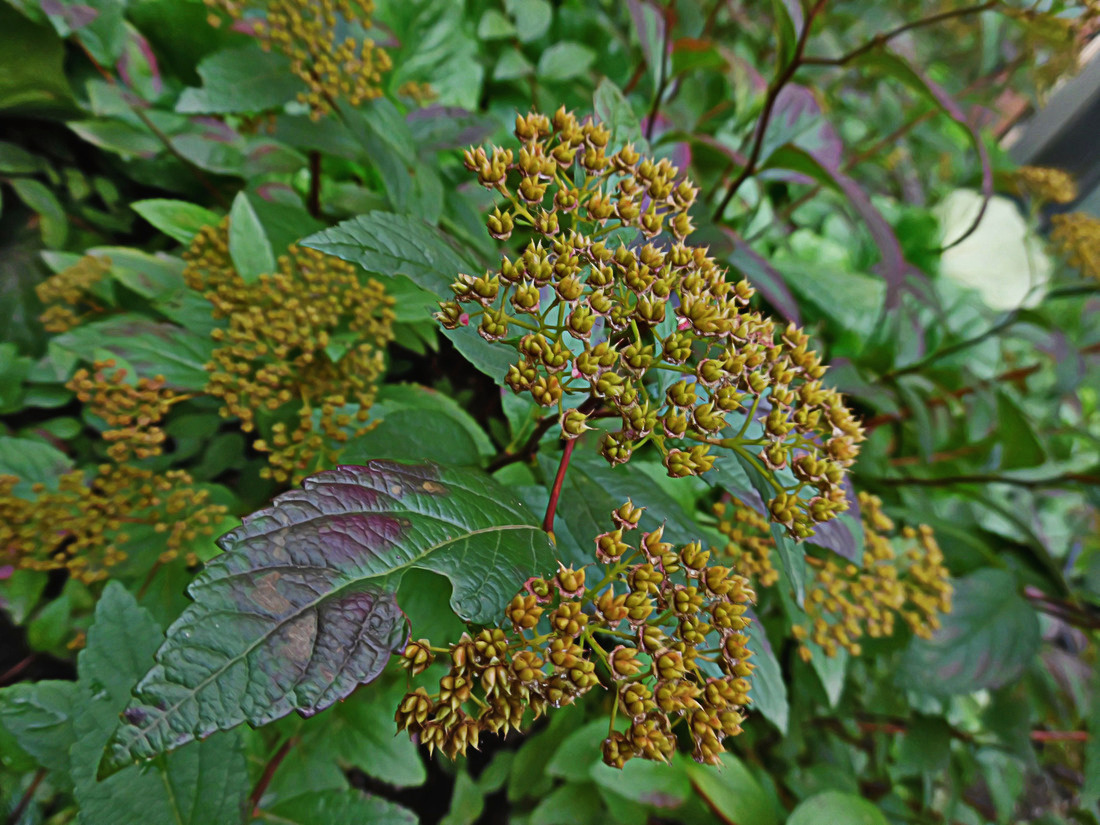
{"points": [[1002, 259]]}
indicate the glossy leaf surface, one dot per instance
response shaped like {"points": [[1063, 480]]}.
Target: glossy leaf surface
{"points": [[302, 606]]}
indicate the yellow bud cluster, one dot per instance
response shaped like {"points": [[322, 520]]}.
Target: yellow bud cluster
{"points": [[132, 411], [670, 646], [68, 292], [1046, 184], [1077, 236], [845, 601], [420, 93], [600, 305], [306, 32], [750, 544], [304, 343], [82, 525]]}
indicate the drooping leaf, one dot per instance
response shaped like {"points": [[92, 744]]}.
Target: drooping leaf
{"points": [[733, 793], [836, 808], [340, 808], [301, 608], [769, 691], [40, 717], [388, 244], [986, 640], [178, 219], [249, 246], [33, 462], [203, 784], [246, 79], [564, 60], [151, 348]]}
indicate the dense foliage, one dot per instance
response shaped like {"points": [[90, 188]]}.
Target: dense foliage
{"points": [[543, 412]]}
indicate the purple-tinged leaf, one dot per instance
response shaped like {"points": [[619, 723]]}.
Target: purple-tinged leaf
{"points": [[798, 119], [448, 127], [302, 606], [986, 641], [898, 67], [893, 266], [767, 280], [844, 534]]}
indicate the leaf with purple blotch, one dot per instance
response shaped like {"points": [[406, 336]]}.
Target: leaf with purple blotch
{"points": [[302, 606]]}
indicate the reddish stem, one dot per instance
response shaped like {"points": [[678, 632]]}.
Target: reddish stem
{"points": [[555, 492], [268, 774], [28, 795], [10, 674]]}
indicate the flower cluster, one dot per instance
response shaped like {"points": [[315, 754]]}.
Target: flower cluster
{"points": [[608, 303], [1045, 184], [306, 32], [1077, 236], [846, 601], [83, 525], [68, 291], [303, 343], [670, 646], [132, 411]]}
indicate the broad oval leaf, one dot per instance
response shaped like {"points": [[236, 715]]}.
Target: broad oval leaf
{"points": [[986, 641], [302, 606]]}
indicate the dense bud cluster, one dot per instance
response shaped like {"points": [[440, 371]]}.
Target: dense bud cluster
{"points": [[656, 625], [306, 32], [608, 308], [84, 524], [1046, 184], [1077, 236], [67, 292], [846, 601], [132, 411], [303, 344]]}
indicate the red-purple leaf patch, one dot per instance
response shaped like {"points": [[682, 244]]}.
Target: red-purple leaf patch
{"points": [[302, 606]]}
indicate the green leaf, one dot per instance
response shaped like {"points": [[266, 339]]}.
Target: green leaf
{"points": [[831, 670], [51, 216], [532, 17], [926, 745], [339, 808], [564, 60], [15, 160], [1090, 793], [389, 244], [836, 808], [575, 803], [150, 276], [467, 802], [733, 793], [648, 783], [301, 607], [40, 717], [616, 113], [512, 65], [1017, 436], [152, 348], [986, 641], [178, 219], [245, 79], [769, 691], [203, 784], [248, 244], [395, 398], [34, 462], [592, 489], [414, 435], [32, 73], [494, 25]]}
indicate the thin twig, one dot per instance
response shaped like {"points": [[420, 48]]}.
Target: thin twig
{"points": [[885, 37], [662, 75], [527, 450], [269, 774], [313, 204], [774, 89], [28, 795], [9, 675]]}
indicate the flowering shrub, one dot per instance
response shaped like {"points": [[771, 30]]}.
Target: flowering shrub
{"points": [[334, 333]]}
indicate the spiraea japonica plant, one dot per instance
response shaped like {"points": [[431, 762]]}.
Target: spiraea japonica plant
{"points": [[543, 412]]}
